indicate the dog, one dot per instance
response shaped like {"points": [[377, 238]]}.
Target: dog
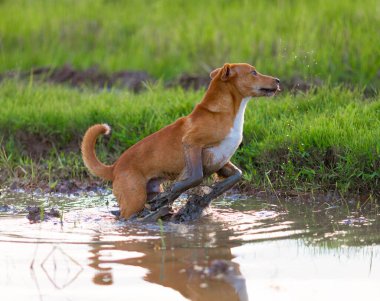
{"points": [[191, 148]]}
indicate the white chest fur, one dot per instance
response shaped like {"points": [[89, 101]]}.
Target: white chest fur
{"points": [[222, 153]]}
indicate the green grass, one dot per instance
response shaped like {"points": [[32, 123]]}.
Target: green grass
{"points": [[327, 139], [311, 39]]}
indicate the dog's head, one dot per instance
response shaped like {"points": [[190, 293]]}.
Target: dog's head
{"points": [[247, 80]]}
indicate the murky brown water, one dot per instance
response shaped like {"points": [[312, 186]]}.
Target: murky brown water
{"points": [[246, 249]]}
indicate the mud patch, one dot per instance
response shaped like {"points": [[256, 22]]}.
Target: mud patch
{"points": [[37, 145], [64, 186], [37, 214], [188, 82], [133, 80]]}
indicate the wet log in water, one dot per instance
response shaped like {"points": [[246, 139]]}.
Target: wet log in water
{"points": [[160, 207], [197, 203]]}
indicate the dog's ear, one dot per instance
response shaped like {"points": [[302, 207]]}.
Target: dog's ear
{"points": [[214, 72], [227, 72]]}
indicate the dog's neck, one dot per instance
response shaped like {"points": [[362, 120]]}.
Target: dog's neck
{"points": [[221, 98]]}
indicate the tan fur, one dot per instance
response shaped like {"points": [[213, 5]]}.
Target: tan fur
{"points": [[139, 170]]}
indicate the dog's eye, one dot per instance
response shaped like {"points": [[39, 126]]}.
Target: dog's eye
{"points": [[254, 72]]}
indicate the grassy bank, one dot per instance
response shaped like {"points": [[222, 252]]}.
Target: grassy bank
{"points": [[327, 139], [310, 39]]}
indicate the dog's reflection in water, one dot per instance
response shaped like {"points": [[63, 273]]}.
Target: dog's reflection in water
{"points": [[197, 273]]}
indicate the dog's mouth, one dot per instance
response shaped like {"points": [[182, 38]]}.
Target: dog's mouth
{"points": [[265, 90], [270, 91]]}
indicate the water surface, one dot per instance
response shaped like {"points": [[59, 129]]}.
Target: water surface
{"points": [[245, 249]]}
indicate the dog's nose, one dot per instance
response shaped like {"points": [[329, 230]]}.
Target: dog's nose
{"points": [[277, 80]]}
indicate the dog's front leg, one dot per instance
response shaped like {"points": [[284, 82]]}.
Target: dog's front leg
{"points": [[231, 175], [193, 173], [192, 176], [196, 204]]}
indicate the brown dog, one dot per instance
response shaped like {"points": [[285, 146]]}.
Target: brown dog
{"points": [[189, 149]]}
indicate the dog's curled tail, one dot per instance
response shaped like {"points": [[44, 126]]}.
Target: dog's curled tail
{"points": [[90, 159]]}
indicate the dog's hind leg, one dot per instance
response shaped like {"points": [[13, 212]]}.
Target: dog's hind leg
{"points": [[153, 188], [129, 189]]}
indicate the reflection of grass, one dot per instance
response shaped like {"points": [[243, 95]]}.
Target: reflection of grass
{"points": [[42, 213], [351, 237], [61, 216], [326, 139], [329, 225], [310, 38], [162, 234]]}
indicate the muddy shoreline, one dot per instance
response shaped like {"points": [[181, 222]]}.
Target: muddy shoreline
{"points": [[91, 186], [37, 212]]}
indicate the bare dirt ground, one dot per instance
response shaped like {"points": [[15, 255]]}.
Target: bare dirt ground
{"points": [[133, 80]]}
